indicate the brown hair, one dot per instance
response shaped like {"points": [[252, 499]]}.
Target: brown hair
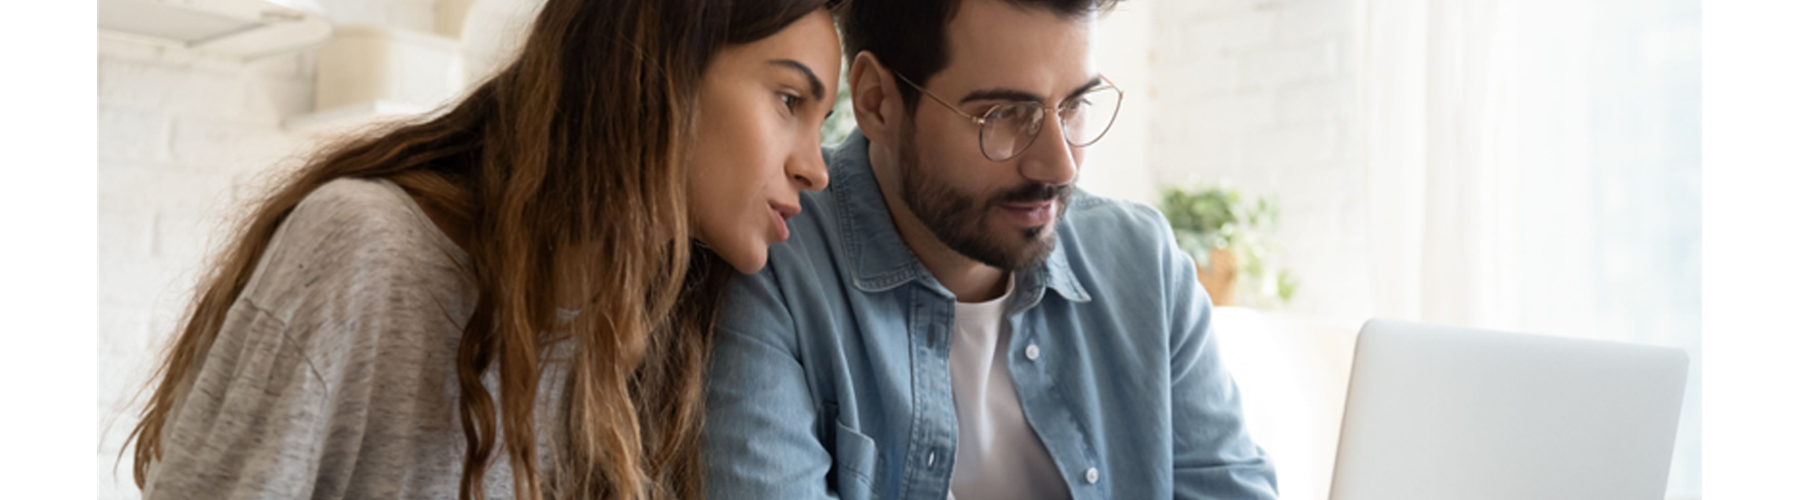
{"points": [[565, 172], [909, 37]]}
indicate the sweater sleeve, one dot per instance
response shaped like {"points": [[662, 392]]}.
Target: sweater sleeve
{"points": [[333, 369], [252, 422]]}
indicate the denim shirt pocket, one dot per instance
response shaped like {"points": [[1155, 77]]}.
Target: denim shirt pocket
{"points": [[854, 464]]}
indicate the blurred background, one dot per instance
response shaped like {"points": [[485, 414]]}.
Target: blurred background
{"points": [[1528, 165]]}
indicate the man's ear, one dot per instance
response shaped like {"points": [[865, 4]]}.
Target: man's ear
{"points": [[876, 100]]}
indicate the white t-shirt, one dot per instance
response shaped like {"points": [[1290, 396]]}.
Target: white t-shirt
{"points": [[998, 456]]}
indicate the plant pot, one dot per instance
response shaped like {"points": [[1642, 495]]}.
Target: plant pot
{"points": [[1219, 279]]}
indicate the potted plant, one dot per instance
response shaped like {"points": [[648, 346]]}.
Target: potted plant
{"points": [[1224, 234]]}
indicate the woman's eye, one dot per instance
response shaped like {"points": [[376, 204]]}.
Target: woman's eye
{"points": [[790, 101]]}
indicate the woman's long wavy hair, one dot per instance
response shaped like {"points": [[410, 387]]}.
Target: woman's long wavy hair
{"points": [[565, 173]]}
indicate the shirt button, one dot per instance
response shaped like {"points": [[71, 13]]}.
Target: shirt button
{"points": [[1093, 475], [931, 459], [1031, 352]]}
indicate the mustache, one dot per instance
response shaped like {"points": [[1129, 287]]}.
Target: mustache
{"points": [[1035, 192]]}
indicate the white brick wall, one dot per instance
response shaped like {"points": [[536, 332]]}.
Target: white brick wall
{"points": [[1260, 96], [183, 140]]}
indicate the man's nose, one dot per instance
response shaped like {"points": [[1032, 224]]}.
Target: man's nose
{"points": [[1050, 159]]}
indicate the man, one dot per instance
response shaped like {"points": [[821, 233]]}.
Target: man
{"points": [[952, 318]]}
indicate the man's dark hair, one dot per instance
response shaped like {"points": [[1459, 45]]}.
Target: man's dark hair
{"points": [[910, 36]]}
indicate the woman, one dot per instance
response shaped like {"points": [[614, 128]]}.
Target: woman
{"points": [[544, 259]]}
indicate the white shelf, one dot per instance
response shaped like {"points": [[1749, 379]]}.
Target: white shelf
{"points": [[243, 29], [351, 117]]}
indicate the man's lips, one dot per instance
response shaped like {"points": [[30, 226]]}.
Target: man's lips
{"points": [[1030, 214]]}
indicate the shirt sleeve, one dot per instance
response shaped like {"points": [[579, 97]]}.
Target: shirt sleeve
{"points": [[1214, 457], [760, 441]]}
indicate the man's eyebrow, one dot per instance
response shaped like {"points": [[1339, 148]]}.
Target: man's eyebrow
{"points": [[1084, 88], [1000, 94], [816, 86], [1006, 94]]}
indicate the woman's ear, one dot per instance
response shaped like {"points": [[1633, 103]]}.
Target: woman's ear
{"points": [[876, 100]]}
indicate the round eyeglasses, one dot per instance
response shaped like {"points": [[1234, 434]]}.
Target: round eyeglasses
{"points": [[1009, 128]]}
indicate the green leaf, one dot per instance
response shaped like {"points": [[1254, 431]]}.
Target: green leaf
{"points": [[1208, 217]]}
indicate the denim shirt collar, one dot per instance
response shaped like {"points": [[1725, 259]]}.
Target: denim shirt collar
{"points": [[880, 260]]}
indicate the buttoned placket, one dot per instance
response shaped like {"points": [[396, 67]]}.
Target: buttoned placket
{"points": [[932, 446], [1075, 459]]}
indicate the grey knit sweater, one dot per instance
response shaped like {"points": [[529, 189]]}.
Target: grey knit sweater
{"points": [[334, 373]]}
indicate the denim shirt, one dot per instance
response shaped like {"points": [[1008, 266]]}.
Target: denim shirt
{"points": [[829, 378]]}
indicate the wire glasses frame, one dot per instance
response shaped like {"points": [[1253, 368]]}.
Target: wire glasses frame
{"points": [[1009, 129]]}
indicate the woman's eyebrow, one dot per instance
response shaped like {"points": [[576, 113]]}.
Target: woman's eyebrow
{"points": [[817, 87]]}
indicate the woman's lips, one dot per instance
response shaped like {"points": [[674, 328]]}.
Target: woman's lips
{"points": [[781, 213]]}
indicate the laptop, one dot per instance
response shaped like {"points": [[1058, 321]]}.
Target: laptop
{"points": [[1442, 413]]}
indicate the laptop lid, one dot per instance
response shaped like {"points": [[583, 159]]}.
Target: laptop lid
{"points": [[1438, 412]]}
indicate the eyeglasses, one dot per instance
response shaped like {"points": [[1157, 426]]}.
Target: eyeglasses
{"points": [[1008, 129]]}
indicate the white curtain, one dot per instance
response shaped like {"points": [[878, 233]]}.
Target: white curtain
{"points": [[1525, 163], [1441, 104]]}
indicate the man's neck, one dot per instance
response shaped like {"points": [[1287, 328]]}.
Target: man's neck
{"points": [[969, 280]]}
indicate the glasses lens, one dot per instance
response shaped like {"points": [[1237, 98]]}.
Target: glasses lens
{"points": [[1009, 128], [1087, 117]]}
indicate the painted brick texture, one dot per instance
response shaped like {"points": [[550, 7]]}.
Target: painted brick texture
{"points": [[184, 140], [1261, 96]]}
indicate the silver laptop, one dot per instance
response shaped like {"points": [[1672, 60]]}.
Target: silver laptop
{"points": [[1441, 413]]}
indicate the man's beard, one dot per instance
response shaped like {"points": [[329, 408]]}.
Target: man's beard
{"points": [[958, 219]]}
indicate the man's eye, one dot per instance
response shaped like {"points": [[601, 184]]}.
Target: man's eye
{"points": [[1004, 112]]}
